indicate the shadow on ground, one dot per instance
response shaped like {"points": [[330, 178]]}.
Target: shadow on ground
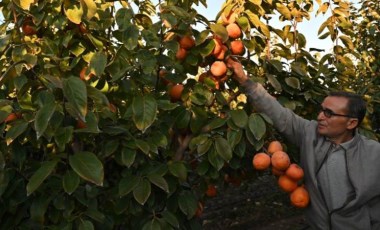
{"points": [[257, 204]]}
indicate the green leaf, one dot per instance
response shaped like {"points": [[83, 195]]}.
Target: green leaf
{"points": [[197, 140], [188, 204], [239, 117], [123, 17], [219, 30], [40, 175], [204, 147], [178, 169], [240, 149], [142, 191], [243, 23], [223, 148], [299, 69], [75, 92], [159, 181], [43, 117], [128, 156], [143, 146], [182, 117], [95, 215], [144, 111], [98, 63], [274, 82], [15, 130], [95, 41], [63, 136], [276, 64], [147, 61], [215, 159], [88, 166], [234, 137], [130, 37], [86, 225], [38, 208], [70, 182], [2, 162], [153, 224], [347, 41], [170, 218], [30, 59], [293, 82], [256, 125], [127, 184], [216, 122]]}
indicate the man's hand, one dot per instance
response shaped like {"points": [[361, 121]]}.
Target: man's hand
{"points": [[239, 74]]}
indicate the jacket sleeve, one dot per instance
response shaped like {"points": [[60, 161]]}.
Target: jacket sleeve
{"points": [[285, 121]]}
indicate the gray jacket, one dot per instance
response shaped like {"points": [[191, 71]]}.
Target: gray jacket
{"points": [[361, 211]]}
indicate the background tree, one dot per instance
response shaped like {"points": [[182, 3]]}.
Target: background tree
{"points": [[123, 114]]}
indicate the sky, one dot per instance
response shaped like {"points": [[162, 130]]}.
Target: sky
{"points": [[308, 28]]}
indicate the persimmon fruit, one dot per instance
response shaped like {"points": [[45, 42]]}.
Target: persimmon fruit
{"points": [[181, 53], [261, 161], [295, 172], [274, 146], [233, 30], [186, 42], [218, 68], [80, 124], [28, 27], [277, 172], [218, 46], [83, 74], [11, 117], [112, 108], [287, 184], [211, 190], [280, 160], [222, 53], [175, 92], [199, 210], [237, 47], [300, 197]]}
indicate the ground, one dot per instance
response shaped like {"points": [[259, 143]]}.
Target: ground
{"points": [[258, 204]]}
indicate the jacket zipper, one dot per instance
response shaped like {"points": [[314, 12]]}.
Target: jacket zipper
{"points": [[319, 188], [349, 198]]}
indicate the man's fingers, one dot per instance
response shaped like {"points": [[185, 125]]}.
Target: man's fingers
{"points": [[231, 62]]}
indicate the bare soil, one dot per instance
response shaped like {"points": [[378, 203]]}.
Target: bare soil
{"points": [[257, 204]]}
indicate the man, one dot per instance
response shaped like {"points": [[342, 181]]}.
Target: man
{"points": [[342, 171]]}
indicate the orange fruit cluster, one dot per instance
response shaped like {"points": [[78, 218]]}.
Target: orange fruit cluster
{"points": [[186, 42], [290, 175], [217, 72]]}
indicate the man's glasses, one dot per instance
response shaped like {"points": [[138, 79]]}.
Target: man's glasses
{"points": [[329, 113]]}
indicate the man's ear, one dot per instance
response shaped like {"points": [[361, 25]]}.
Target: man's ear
{"points": [[352, 123]]}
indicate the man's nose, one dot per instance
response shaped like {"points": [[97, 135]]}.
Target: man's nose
{"points": [[320, 115]]}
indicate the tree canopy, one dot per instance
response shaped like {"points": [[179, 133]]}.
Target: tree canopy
{"points": [[113, 113]]}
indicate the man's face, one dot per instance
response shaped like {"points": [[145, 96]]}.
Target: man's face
{"points": [[335, 127]]}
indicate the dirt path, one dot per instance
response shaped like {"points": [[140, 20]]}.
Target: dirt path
{"points": [[258, 204]]}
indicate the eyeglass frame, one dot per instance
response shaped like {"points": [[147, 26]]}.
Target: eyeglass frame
{"points": [[329, 113]]}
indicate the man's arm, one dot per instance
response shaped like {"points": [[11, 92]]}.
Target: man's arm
{"points": [[284, 120]]}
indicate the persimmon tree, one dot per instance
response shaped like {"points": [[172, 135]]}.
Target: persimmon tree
{"points": [[114, 114]]}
